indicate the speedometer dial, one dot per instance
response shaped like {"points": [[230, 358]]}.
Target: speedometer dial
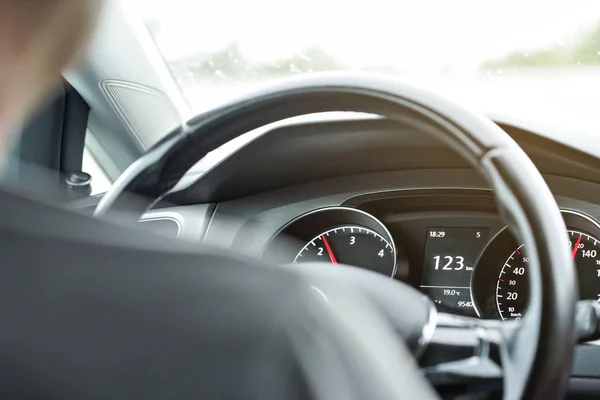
{"points": [[512, 288]]}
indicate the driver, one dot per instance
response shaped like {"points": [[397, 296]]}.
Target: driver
{"points": [[38, 39], [90, 310]]}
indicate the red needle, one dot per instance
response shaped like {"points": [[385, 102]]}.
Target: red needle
{"points": [[576, 247], [329, 251]]}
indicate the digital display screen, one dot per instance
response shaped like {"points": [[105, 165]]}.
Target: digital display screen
{"points": [[450, 254]]}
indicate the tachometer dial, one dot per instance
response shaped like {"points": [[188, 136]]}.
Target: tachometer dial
{"points": [[337, 235], [351, 245], [512, 288]]}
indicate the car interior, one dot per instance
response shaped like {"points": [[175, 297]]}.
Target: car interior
{"points": [[475, 236]]}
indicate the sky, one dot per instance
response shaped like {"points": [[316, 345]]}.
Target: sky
{"points": [[418, 36]]}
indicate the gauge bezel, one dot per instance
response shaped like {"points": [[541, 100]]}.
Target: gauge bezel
{"points": [[492, 258], [300, 230]]}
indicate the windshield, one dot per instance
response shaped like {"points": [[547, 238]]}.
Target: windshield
{"points": [[538, 60]]}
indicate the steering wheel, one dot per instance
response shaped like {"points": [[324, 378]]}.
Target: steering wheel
{"points": [[531, 357]]}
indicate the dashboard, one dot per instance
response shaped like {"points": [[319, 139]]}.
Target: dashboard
{"points": [[449, 244], [379, 196]]}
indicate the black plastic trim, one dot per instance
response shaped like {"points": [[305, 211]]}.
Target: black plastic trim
{"points": [[76, 113], [306, 152]]}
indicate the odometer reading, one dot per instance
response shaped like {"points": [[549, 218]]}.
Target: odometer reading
{"points": [[450, 253], [512, 288], [351, 245]]}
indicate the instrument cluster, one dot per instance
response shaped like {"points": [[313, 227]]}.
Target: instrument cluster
{"points": [[467, 262]]}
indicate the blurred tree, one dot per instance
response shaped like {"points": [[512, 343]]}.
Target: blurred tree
{"points": [[230, 63], [585, 51], [227, 62], [313, 59]]}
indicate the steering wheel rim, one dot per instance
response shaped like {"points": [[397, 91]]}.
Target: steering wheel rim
{"points": [[523, 197]]}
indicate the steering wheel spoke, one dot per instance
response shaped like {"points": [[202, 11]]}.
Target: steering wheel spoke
{"points": [[466, 350]]}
